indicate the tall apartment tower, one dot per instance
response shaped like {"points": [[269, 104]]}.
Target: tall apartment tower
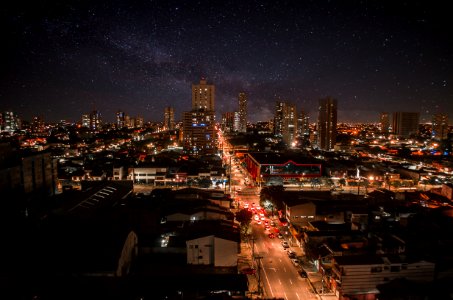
{"points": [[95, 120], [199, 133], [38, 126], [228, 121], [285, 122], [120, 119], [303, 126], [440, 127], [327, 123], [405, 124], [10, 122], [203, 96], [169, 118], [242, 112], [384, 121]]}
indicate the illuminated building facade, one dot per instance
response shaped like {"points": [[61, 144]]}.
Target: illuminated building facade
{"points": [[203, 96], [384, 120], [169, 118], [199, 134], [265, 166], [242, 127], [285, 122], [439, 127]]}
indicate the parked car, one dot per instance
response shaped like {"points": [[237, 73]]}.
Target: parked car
{"points": [[271, 235], [248, 271], [291, 254], [285, 244], [295, 261], [302, 273], [280, 236]]}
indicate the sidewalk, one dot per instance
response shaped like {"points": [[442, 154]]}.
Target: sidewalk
{"points": [[313, 276], [245, 261]]}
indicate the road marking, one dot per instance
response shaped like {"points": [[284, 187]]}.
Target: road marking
{"points": [[268, 283], [290, 281], [275, 270], [297, 295], [286, 297], [284, 269]]}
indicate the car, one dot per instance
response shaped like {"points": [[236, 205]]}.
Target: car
{"points": [[295, 261], [291, 253], [271, 235], [280, 236], [285, 244], [302, 273], [248, 271]]}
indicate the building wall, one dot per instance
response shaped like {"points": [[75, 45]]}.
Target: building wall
{"points": [[148, 175], [225, 253], [301, 214], [200, 251], [327, 123], [365, 278], [203, 96], [199, 132], [405, 123], [128, 253]]}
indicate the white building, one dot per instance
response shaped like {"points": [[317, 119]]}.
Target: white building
{"points": [[217, 250], [357, 276]]}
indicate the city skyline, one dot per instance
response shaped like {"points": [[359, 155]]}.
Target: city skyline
{"points": [[65, 58]]}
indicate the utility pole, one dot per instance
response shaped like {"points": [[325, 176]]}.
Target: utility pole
{"points": [[253, 245], [229, 176], [258, 258]]}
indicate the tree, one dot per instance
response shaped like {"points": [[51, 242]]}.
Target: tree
{"points": [[244, 217]]}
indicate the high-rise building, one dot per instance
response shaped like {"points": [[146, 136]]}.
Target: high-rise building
{"points": [[327, 123], [405, 124], [228, 121], [10, 122], [385, 122], [242, 112], [37, 126], [95, 120], [169, 118], [139, 122], [439, 127], [120, 119], [203, 96], [86, 120], [285, 122], [303, 126], [278, 118], [199, 135]]}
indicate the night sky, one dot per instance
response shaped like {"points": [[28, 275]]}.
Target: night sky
{"points": [[61, 59]]}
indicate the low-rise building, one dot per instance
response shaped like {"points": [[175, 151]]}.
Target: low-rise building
{"points": [[357, 276]]}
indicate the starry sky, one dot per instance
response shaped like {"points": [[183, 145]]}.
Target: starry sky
{"points": [[61, 59]]}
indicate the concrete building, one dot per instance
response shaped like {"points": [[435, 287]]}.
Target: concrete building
{"points": [[169, 118], [327, 123], [242, 112], [285, 122], [405, 124], [357, 276], [440, 127], [203, 96]]}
